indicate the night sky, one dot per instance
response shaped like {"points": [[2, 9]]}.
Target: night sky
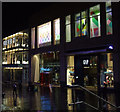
{"points": [[15, 15]]}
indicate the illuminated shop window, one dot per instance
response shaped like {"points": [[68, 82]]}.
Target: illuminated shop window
{"points": [[44, 34], [68, 28], [81, 24], [33, 38], [49, 68], [108, 18], [94, 14], [106, 70], [56, 31], [70, 70]]}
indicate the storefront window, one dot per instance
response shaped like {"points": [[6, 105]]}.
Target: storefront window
{"points": [[33, 38], [68, 28], [70, 70], [106, 70], [49, 68], [95, 28], [81, 24], [44, 34], [108, 18], [56, 31]]}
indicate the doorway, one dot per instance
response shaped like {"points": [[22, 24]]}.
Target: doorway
{"points": [[86, 71]]}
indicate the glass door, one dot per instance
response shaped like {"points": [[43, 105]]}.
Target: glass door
{"points": [[90, 72]]}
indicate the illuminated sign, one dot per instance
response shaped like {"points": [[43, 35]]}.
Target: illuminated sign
{"points": [[45, 69], [44, 33], [86, 62]]}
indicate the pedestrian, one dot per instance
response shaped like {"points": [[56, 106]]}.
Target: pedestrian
{"points": [[14, 89]]}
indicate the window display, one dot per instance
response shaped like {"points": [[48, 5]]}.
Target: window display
{"points": [[44, 34], [70, 70], [56, 31], [106, 70], [49, 68], [95, 29]]}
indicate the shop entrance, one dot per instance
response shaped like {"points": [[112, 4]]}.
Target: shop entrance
{"points": [[90, 71], [86, 71]]}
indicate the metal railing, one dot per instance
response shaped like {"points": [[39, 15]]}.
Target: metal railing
{"points": [[83, 88]]}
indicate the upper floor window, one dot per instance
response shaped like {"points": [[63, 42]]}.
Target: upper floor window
{"points": [[108, 18], [81, 24], [56, 31], [19, 39], [68, 28], [33, 38], [44, 35], [95, 27]]}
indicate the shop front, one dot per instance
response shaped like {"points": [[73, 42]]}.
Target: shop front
{"points": [[46, 68], [90, 70]]}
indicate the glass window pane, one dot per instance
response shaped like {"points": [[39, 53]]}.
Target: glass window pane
{"points": [[68, 33], [108, 6], [77, 16], [25, 40], [109, 22], [84, 14], [77, 28], [44, 34], [68, 19], [95, 10], [95, 26], [14, 41], [33, 38], [70, 70], [57, 31], [106, 70], [84, 27]]}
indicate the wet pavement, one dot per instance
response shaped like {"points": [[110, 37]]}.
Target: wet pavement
{"points": [[51, 99]]}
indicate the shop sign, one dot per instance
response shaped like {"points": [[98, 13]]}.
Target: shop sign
{"points": [[86, 62], [45, 69]]}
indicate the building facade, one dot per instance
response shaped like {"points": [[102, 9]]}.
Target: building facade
{"points": [[78, 45], [74, 43], [15, 57]]}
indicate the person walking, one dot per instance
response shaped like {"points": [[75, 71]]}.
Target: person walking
{"points": [[14, 89]]}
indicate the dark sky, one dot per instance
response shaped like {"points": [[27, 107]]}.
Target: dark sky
{"points": [[15, 15]]}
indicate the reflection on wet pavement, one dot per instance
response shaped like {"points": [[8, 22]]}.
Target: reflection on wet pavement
{"points": [[44, 99]]}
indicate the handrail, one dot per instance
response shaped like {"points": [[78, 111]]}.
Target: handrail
{"points": [[85, 104], [96, 95]]}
